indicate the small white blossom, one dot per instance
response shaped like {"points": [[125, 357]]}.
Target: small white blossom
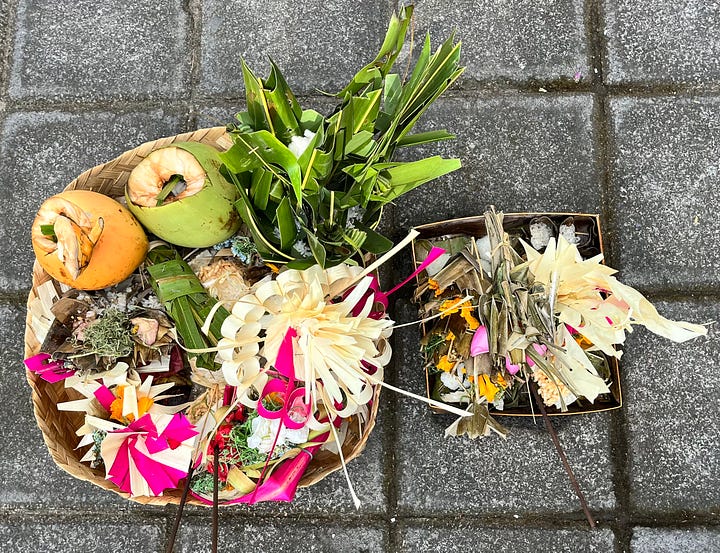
{"points": [[265, 430], [298, 144]]}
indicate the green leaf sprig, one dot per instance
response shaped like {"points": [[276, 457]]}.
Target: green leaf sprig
{"points": [[313, 187]]}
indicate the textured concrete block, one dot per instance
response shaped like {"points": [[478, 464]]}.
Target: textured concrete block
{"points": [[664, 179], [282, 535], [28, 475], [672, 395], [89, 51], [103, 535], [651, 41], [519, 152], [318, 44], [515, 41], [520, 475], [503, 540], [665, 540], [43, 152]]}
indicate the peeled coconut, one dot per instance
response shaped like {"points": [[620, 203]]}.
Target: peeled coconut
{"points": [[87, 240], [179, 195]]}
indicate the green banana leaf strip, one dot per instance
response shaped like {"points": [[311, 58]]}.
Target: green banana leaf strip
{"points": [[258, 116], [389, 51], [317, 249], [186, 301], [260, 188], [374, 241], [406, 176], [269, 151], [285, 221], [424, 138], [282, 105]]}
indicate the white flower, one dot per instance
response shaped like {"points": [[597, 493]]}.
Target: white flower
{"points": [[265, 430], [483, 247], [451, 381], [298, 144]]}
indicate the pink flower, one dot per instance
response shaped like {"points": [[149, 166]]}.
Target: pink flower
{"points": [[479, 342], [513, 369]]}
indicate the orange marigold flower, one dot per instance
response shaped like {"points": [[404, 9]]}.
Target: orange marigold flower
{"points": [[487, 388], [501, 380], [433, 285], [445, 364]]}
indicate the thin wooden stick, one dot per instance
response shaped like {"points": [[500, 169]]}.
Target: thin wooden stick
{"points": [[181, 506], [216, 472], [561, 452]]}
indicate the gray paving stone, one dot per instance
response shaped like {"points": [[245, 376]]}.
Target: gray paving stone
{"points": [[519, 152], [672, 395], [520, 475], [86, 50], [318, 44], [652, 42], [43, 152], [281, 535], [28, 475], [662, 540], [514, 41], [503, 540], [105, 535], [664, 180]]}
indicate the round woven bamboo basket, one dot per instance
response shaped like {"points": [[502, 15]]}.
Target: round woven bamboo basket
{"points": [[58, 427]]}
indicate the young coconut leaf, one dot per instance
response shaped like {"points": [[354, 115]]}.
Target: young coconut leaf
{"points": [[319, 183]]}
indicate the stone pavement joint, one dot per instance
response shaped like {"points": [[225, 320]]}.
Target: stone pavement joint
{"points": [[606, 106]]}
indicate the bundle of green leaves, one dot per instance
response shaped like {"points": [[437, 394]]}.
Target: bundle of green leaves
{"points": [[313, 187]]}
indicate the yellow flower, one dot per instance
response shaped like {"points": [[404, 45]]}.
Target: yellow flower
{"points": [[448, 307], [450, 336], [433, 285], [487, 388], [445, 364]]}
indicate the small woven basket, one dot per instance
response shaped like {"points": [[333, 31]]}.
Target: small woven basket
{"points": [[58, 427]]}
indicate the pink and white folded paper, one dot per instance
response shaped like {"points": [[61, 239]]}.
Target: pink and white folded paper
{"points": [[149, 455]]}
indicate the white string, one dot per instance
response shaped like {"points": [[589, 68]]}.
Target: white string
{"points": [[355, 498]]}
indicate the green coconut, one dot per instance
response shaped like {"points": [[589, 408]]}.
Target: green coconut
{"points": [[202, 219]]}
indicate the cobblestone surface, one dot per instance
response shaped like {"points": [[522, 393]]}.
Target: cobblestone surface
{"points": [[86, 50], [664, 178], [657, 41], [504, 540], [606, 107], [511, 41], [522, 152], [685, 471], [661, 540]]}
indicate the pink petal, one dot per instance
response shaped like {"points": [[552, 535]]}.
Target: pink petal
{"points": [[479, 342], [538, 348], [511, 368]]}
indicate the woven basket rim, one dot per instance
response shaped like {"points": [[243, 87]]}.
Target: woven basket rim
{"points": [[109, 178]]}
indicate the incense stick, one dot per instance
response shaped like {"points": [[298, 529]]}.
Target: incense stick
{"points": [[216, 472], [561, 453], [181, 506]]}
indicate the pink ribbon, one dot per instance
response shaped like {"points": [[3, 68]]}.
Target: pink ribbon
{"points": [[47, 369], [294, 412]]}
